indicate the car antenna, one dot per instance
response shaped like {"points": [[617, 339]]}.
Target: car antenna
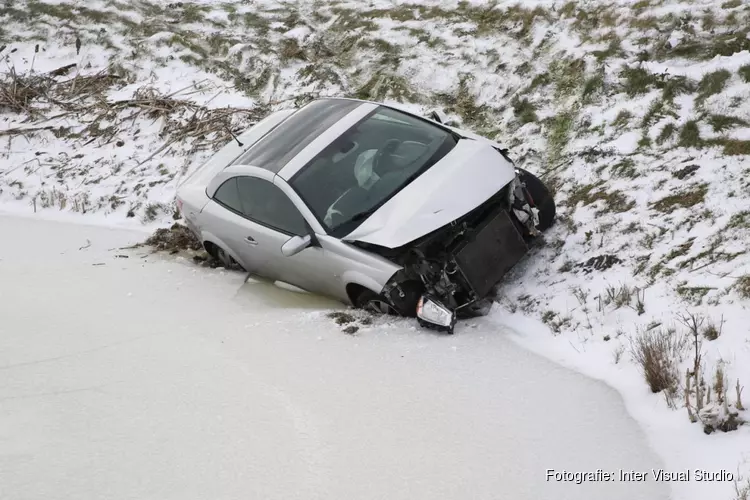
{"points": [[234, 137]]}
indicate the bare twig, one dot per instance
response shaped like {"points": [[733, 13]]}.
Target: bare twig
{"points": [[738, 390], [152, 155], [691, 415], [192, 85]]}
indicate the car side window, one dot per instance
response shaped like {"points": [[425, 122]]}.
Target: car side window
{"points": [[265, 203], [228, 195]]}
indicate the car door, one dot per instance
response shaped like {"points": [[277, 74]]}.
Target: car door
{"points": [[224, 219], [277, 220]]}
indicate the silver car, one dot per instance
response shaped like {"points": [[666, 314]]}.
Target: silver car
{"points": [[374, 206]]}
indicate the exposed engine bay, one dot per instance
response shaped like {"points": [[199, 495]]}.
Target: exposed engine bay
{"points": [[459, 264]]}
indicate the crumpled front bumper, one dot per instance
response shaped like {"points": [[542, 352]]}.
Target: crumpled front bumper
{"points": [[483, 260]]}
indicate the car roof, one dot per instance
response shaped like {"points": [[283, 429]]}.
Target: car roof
{"points": [[296, 132]]}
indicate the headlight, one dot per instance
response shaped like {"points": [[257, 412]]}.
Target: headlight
{"points": [[433, 312]]}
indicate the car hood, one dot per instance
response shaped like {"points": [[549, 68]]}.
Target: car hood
{"points": [[461, 181]]}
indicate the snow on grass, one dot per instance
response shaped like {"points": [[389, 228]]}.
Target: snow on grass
{"points": [[634, 112]]}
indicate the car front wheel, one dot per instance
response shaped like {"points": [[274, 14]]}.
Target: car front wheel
{"points": [[374, 303], [541, 198]]}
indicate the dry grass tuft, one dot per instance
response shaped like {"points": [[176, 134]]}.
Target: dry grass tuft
{"points": [[710, 332], [613, 201], [658, 354], [712, 84], [17, 93], [743, 286], [744, 73], [684, 199], [742, 491]]}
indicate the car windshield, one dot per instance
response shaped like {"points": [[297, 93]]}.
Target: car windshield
{"points": [[367, 165]]}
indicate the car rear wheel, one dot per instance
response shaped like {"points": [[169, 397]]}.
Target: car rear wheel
{"points": [[223, 257], [541, 199]]}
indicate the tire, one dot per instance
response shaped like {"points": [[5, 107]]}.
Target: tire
{"points": [[412, 292], [374, 303], [225, 259], [542, 199]]}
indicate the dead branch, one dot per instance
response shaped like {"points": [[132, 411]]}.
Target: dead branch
{"points": [[85, 96], [23, 131], [63, 70]]}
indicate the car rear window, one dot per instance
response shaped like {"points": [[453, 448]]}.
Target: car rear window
{"points": [[294, 134], [229, 196]]}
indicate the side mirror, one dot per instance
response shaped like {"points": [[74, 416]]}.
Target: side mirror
{"points": [[438, 116], [295, 245]]}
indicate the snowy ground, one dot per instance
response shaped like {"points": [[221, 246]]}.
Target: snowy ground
{"points": [[636, 112], [147, 377]]}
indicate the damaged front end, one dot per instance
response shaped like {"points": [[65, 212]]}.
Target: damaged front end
{"points": [[447, 273]]}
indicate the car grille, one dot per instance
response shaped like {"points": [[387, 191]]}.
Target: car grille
{"points": [[495, 247]]}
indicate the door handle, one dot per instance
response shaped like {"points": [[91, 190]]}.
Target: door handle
{"points": [[251, 241]]}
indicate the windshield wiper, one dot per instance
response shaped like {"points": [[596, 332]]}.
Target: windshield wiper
{"points": [[356, 218], [364, 214]]}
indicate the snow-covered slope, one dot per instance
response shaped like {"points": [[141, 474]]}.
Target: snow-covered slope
{"points": [[636, 112]]}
